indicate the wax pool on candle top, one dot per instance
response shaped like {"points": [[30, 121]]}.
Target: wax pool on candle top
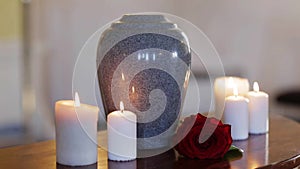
{"points": [[76, 132], [258, 111]]}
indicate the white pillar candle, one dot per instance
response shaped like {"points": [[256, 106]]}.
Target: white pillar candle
{"points": [[121, 131], [223, 87], [258, 111], [76, 132], [236, 114]]}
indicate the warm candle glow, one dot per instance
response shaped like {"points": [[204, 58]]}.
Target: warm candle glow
{"points": [[76, 100], [133, 90], [123, 77], [68, 117], [258, 111], [121, 135], [231, 83], [121, 106], [255, 87], [235, 91], [186, 79]]}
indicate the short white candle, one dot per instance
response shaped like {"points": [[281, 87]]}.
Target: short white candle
{"points": [[223, 87], [258, 111], [121, 131], [236, 114], [76, 132]]}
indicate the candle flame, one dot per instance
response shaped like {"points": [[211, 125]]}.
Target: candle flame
{"points": [[76, 100], [121, 106], [123, 77], [186, 79], [255, 87], [133, 90], [231, 83], [235, 91]]}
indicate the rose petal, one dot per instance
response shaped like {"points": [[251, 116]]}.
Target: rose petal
{"points": [[214, 147]]}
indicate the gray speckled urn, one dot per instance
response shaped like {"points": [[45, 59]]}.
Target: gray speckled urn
{"points": [[144, 61]]}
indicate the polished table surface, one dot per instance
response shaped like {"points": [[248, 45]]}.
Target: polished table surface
{"points": [[280, 148]]}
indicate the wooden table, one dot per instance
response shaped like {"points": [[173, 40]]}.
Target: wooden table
{"points": [[274, 149]]}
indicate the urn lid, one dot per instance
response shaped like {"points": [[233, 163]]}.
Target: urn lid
{"points": [[143, 22], [135, 24], [142, 18]]}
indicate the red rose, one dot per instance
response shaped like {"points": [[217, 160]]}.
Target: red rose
{"points": [[213, 148]]}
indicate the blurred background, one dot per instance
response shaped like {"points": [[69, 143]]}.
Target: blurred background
{"points": [[40, 41]]}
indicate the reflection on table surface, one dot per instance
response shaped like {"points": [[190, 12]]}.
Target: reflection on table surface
{"points": [[281, 143], [256, 152], [167, 160]]}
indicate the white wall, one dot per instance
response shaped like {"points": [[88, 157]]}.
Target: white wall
{"points": [[10, 84], [66, 25], [259, 39], [59, 29], [10, 67]]}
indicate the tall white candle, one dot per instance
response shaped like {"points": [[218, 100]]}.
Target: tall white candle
{"points": [[121, 130], [258, 111], [76, 132], [236, 114], [223, 87]]}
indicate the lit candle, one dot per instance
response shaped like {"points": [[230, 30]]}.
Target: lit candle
{"points": [[258, 110], [121, 131], [223, 87], [76, 132], [236, 114]]}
